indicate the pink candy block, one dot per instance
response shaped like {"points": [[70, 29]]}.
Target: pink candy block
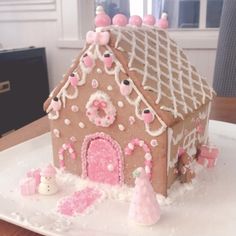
{"points": [[209, 151], [208, 156], [27, 186], [34, 173]]}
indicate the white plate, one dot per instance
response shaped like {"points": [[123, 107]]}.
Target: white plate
{"points": [[209, 208]]}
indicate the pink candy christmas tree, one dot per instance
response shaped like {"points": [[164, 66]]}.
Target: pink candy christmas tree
{"points": [[144, 208]]}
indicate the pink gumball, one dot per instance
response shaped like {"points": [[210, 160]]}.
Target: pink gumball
{"points": [[73, 80], [120, 20], [88, 61], [102, 20], [147, 116], [149, 20], [135, 20]]}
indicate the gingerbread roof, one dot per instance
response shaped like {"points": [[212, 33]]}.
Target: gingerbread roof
{"points": [[153, 63], [163, 68]]}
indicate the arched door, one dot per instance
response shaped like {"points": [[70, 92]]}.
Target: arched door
{"points": [[103, 160]]}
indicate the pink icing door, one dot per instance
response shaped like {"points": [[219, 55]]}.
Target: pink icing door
{"points": [[103, 162]]}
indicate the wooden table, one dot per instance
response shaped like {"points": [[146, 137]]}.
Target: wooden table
{"points": [[223, 109]]}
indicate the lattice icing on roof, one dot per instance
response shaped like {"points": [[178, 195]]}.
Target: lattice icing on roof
{"points": [[163, 67]]}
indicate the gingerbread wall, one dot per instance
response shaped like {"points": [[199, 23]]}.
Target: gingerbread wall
{"points": [[77, 125], [191, 132]]}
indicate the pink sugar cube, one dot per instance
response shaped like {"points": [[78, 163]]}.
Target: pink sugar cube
{"points": [[209, 151], [35, 173], [27, 186]]}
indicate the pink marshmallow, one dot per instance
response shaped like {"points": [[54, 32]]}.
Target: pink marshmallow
{"points": [[147, 116], [73, 80], [27, 186], [55, 104], [108, 60], [88, 61], [125, 88]]}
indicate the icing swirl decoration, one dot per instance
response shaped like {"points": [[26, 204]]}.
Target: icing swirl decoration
{"points": [[100, 110]]}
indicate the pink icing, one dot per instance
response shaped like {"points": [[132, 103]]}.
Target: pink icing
{"points": [[149, 20], [135, 20], [99, 152], [79, 201], [101, 38], [120, 20]]}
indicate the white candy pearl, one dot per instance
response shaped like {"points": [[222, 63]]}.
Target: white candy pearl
{"points": [[109, 88], [81, 125], [56, 132], [148, 156], [121, 127], [67, 121], [120, 104], [74, 108], [110, 167]]}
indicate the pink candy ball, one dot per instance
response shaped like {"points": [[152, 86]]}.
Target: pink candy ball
{"points": [[149, 20], [120, 20], [135, 20], [163, 23], [102, 20]]}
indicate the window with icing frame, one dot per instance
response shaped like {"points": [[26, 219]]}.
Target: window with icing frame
{"points": [[195, 14]]}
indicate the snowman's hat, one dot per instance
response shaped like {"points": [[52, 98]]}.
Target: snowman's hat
{"points": [[48, 171]]}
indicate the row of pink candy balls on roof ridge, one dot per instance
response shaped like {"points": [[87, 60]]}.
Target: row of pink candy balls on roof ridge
{"points": [[102, 20]]}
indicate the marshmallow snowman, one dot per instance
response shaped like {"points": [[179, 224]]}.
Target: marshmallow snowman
{"points": [[48, 185]]}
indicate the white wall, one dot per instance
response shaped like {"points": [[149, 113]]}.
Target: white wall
{"points": [[59, 26]]}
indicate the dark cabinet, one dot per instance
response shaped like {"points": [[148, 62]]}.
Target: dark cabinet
{"points": [[23, 87]]}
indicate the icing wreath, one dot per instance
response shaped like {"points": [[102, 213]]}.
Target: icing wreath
{"points": [[100, 110]]}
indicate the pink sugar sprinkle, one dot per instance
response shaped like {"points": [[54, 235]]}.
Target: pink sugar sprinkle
{"points": [[79, 201]]}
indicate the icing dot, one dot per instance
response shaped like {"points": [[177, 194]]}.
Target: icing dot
{"points": [[131, 120], [99, 71], [67, 121], [74, 108], [109, 88], [120, 104], [110, 167], [94, 83], [81, 125], [121, 127], [131, 146], [73, 139], [56, 132], [148, 156], [154, 143]]}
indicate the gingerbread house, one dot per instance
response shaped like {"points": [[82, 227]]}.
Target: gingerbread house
{"points": [[130, 99]]}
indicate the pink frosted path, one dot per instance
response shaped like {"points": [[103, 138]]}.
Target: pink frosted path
{"points": [[79, 201]]}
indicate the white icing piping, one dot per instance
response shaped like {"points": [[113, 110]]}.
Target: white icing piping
{"points": [[184, 64]]}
